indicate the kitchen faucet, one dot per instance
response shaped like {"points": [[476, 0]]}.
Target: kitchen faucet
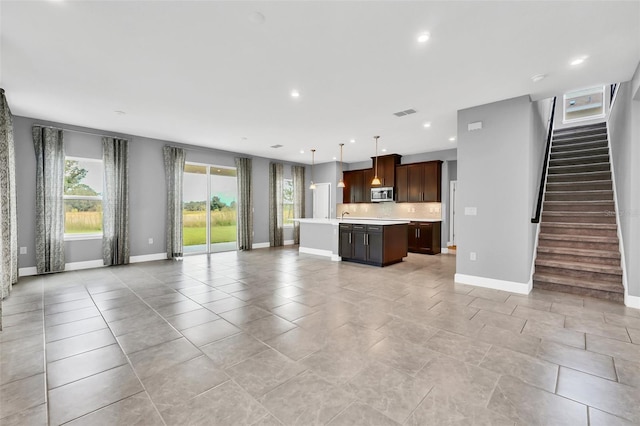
{"points": [[343, 213]]}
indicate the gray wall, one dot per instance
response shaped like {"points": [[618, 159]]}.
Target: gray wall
{"points": [[495, 176], [147, 189], [624, 129]]}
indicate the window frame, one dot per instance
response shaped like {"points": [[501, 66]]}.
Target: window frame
{"points": [[285, 203], [600, 90], [87, 235]]}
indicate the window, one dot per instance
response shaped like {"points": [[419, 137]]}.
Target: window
{"points": [[82, 198], [287, 202], [587, 104]]}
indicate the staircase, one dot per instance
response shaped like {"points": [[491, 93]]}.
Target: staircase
{"points": [[578, 249]]}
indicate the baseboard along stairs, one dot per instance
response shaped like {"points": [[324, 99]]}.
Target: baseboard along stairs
{"points": [[578, 249]]}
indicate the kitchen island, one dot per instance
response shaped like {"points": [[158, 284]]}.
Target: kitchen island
{"points": [[370, 241]]}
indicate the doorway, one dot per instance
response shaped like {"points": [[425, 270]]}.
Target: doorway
{"points": [[322, 201], [209, 214]]}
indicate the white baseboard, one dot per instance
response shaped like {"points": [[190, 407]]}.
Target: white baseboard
{"points": [[511, 286], [288, 242], [89, 264], [259, 245], [148, 257], [444, 250], [317, 252], [335, 258], [632, 301], [26, 272]]}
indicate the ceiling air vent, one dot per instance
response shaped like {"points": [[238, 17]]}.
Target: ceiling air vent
{"points": [[277, 146], [405, 112]]}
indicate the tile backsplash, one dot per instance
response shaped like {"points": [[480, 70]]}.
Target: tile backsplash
{"points": [[392, 210]]}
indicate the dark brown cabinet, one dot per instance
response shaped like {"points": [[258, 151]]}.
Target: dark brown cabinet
{"points": [[357, 186], [386, 169], [419, 182], [424, 237], [378, 245]]}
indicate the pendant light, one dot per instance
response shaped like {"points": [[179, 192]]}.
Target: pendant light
{"points": [[341, 182], [313, 160], [376, 180]]}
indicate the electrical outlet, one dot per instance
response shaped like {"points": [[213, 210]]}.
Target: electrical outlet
{"points": [[23, 250], [472, 255], [150, 240]]}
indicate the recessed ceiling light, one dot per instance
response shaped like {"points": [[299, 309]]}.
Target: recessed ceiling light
{"points": [[452, 138], [427, 125], [424, 37], [302, 151], [384, 149], [295, 94], [352, 141], [579, 60], [538, 77]]}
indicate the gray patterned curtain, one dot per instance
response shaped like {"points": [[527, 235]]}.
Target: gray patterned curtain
{"points": [[8, 218], [276, 175], [174, 159], [49, 148], [115, 201], [298, 199], [245, 204]]}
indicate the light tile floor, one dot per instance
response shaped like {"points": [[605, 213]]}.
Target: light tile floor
{"points": [[274, 337]]}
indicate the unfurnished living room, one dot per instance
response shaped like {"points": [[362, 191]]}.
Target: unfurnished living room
{"points": [[319, 212]]}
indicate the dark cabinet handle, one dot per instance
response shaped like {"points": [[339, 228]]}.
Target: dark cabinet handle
{"points": [[349, 237], [418, 232]]}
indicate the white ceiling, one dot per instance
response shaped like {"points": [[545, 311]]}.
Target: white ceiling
{"points": [[205, 73]]}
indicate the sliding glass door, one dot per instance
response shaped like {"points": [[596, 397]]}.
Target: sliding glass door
{"points": [[209, 208]]}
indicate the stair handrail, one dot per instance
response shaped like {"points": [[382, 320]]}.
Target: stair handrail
{"points": [[545, 164]]}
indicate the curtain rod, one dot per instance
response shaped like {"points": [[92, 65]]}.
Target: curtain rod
{"points": [[79, 131]]}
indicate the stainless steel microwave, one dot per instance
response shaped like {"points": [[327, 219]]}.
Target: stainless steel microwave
{"points": [[380, 195]]}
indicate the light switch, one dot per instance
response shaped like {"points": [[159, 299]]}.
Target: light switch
{"points": [[150, 240], [23, 250], [472, 256], [470, 211]]}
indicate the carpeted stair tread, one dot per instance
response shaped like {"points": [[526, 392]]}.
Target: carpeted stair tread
{"points": [[610, 226], [614, 296], [578, 282], [580, 238], [578, 153], [579, 266], [580, 252]]}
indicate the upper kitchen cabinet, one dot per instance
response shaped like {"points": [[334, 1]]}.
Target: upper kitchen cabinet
{"points": [[357, 186], [419, 182], [387, 169]]}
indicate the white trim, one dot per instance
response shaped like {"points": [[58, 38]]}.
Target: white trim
{"points": [[317, 252], [288, 242], [82, 237], [335, 258], [259, 245], [623, 264], [511, 286], [631, 301], [89, 264], [147, 257], [444, 250], [28, 271]]}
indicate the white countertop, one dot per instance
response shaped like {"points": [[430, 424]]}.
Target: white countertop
{"points": [[367, 221]]}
